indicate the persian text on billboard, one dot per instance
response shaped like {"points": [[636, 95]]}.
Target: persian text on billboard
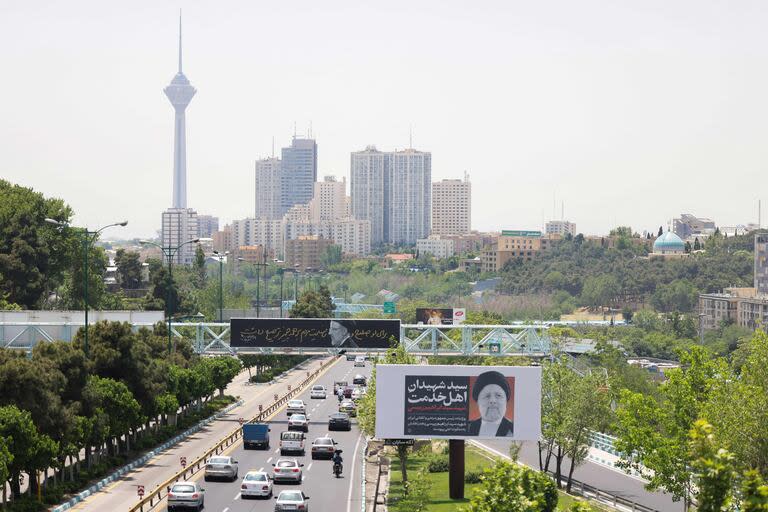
{"points": [[313, 333]]}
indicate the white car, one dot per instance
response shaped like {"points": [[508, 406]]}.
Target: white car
{"points": [[318, 391], [360, 361], [299, 422], [186, 495], [357, 394], [291, 500], [296, 406], [291, 442], [221, 467], [287, 469], [257, 484]]}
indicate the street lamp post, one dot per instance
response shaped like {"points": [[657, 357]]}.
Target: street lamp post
{"points": [[88, 238], [220, 257], [169, 253], [258, 280]]}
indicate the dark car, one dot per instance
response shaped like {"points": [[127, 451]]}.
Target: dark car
{"points": [[339, 421], [339, 384], [359, 380], [350, 357], [348, 392]]}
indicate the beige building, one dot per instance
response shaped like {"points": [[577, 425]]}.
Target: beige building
{"points": [[451, 207], [269, 189], [511, 245], [560, 227], [436, 246], [179, 225], [761, 263], [329, 201], [305, 251]]}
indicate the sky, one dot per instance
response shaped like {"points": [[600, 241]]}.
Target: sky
{"points": [[627, 112]]}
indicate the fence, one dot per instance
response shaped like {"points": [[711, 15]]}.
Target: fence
{"points": [[587, 491], [164, 488]]}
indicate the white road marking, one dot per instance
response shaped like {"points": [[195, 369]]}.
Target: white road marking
{"points": [[277, 450], [261, 469], [310, 466], [236, 497], [269, 460], [352, 474], [225, 510]]}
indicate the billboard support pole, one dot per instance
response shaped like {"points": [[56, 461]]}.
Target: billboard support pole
{"points": [[456, 469]]}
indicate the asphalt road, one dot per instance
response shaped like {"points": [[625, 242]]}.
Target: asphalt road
{"points": [[326, 492], [597, 475]]}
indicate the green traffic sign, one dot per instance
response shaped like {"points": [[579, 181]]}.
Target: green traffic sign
{"points": [[389, 308]]}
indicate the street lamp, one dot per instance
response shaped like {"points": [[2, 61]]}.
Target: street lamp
{"points": [[220, 258], [169, 253], [282, 272], [258, 295], [88, 238]]}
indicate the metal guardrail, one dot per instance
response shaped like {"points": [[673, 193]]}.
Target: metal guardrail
{"points": [[162, 490], [588, 491]]}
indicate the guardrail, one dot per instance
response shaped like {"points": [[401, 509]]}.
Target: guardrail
{"points": [[162, 490], [587, 491]]}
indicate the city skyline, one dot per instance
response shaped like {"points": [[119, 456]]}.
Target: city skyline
{"points": [[561, 114]]}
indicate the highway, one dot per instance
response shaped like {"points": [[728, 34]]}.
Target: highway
{"points": [[326, 492]]}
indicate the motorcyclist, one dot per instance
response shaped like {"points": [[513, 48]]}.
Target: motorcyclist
{"points": [[340, 394], [337, 460]]}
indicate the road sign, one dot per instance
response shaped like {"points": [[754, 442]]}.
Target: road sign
{"points": [[389, 308], [494, 347], [140, 490], [261, 407], [241, 420], [183, 461], [399, 442], [275, 397]]}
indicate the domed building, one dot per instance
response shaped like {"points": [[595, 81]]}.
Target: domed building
{"points": [[668, 245]]}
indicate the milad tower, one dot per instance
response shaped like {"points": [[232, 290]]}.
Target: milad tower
{"points": [[179, 223]]}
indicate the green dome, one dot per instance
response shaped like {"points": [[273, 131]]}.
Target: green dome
{"points": [[668, 242]]}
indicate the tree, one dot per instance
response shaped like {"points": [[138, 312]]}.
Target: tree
{"points": [[661, 231], [223, 370], [199, 266], [714, 469], [128, 269], [115, 400], [696, 244], [599, 290], [313, 304], [415, 494], [72, 291], [679, 295], [330, 256], [6, 458], [508, 487], [754, 492], [33, 254]]}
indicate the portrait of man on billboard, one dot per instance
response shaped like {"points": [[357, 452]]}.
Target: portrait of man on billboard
{"points": [[339, 333], [491, 412]]}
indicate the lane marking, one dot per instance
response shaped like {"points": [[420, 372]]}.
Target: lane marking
{"points": [[225, 510], [261, 469], [269, 460], [238, 495], [310, 466], [352, 474]]}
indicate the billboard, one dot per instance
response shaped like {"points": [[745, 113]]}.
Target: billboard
{"points": [[301, 333], [440, 316], [458, 402]]}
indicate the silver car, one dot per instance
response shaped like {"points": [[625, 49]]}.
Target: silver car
{"points": [[287, 470], [186, 495], [291, 500], [221, 467], [299, 422], [296, 407]]}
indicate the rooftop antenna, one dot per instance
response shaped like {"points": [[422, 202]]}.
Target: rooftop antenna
{"points": [[273, 146], [310, 130], [179, 41], [554, 205], [294, 129], [410, 136], [562, 210], [759, 214]]}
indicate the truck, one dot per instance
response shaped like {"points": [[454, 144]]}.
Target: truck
{"points": [[256, 435]]}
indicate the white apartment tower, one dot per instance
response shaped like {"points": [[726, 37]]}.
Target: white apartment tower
{"points": [[370, 193], [180, 226], [269, 189], [329, 201], [452, 207]]}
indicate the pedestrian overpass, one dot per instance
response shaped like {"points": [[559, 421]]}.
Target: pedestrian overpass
{"points": [[524, 339]]}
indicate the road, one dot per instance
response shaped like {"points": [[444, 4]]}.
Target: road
{"points": [[597, 475], [326, 492]]}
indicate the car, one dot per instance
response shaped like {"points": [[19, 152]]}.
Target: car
{"points": [[359, 380], [299, 422], [350, 357], [323, 447], [287, 470], [357, 394], [291, 441], [256, 484], [291, 500], [339, 384], [221, 467], [349, 407], [360, 361], [186, 495], [296, 406], [318, 391], [348, 392], [339, 421]]}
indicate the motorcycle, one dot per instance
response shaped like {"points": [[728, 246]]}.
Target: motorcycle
{"points": [[337, 469]]}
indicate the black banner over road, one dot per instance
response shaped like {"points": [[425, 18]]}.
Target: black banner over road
{"points": [[301, 333]]}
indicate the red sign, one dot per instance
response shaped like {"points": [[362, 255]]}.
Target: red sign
{"points": [[183, 461], [140, 490], [241, 420], [275, 397], [260, 407]]}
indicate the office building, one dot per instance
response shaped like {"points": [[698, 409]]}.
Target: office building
{"points": [[761, 263], [269, 189], [687, 226], [435, 245], [306, 251], [560, 227], [179, 225], [452, 207], [299, 172], [516, 244], [207, 225], [370, 192]]}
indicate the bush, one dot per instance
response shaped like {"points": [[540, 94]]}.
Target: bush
{"points": [[472, 477], [437, 463]]}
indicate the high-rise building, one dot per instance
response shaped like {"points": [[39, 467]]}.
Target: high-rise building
{"points": [[411, 196], [180, 93], [299, 172], [306, 251], [761, 263], [180, 226], [370, 191], [329, 201], [560, 227], [207, 225], [688, 225], [269, 189], [451, 207]]}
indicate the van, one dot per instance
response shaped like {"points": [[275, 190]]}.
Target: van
{"points": [[291, 441], [360, 361]]}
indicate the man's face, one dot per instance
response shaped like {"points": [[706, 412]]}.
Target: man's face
{"points": [[492, 402], [338, 333]]}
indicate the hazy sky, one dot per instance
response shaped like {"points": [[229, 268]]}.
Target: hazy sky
{"points": [[630, 111]]}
